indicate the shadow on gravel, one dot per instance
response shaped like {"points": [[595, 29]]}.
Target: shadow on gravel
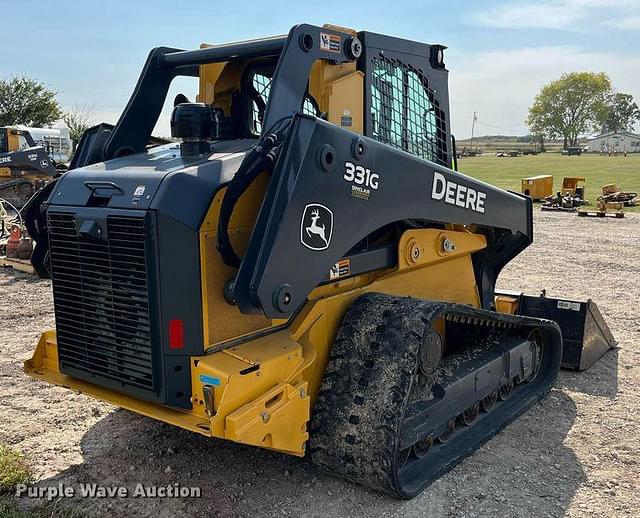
{"points": [[525, 471], [600, 380], [10, 276]]}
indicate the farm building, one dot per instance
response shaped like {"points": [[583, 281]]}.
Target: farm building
{"points": [[613, 141]]}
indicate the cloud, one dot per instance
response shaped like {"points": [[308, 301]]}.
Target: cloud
{"points": [[626, 23], [568, 15], [501, 85]]}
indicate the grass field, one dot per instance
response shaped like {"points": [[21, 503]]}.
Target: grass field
{"points": [[598, 170]]}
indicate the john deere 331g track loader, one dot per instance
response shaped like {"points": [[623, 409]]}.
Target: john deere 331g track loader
{"points": [[304, 271]]}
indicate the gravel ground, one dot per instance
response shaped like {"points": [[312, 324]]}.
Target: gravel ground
{"points": [[575, 454]]}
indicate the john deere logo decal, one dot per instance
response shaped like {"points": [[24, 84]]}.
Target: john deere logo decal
{"points": [[316, 227]]}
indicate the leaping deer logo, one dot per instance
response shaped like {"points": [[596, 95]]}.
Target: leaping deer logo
{"points": [[314, 228], [319, 230]]}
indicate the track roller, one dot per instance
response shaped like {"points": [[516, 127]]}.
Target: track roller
{"points": [[505, 391], [395, 387], [470, 414], [423, 446], [446, 435], [489, 402]]}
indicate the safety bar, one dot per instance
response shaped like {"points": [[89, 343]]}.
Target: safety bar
{"points": [[225, 52]]}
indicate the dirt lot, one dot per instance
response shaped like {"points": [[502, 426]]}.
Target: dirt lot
{"points": [[577, 453]]}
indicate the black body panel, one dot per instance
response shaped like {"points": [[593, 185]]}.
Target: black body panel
{"points": [[34, 159], [104, 310], [277, 262], [586, 337], [100, 285], [178, 187]]}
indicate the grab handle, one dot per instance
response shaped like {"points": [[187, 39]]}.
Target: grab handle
{"points": [[94, 185]]}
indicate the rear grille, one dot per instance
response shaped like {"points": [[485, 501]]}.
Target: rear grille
{"points": [[101, 298]]}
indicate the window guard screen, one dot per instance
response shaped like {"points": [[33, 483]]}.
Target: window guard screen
{"points": [[404, 111], [262, 86]]}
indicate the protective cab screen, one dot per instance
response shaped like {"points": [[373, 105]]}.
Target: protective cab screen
{"points": [[404, 111]]}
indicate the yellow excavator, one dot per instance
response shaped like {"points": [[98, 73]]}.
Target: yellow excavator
{"points": [[305, 270]]}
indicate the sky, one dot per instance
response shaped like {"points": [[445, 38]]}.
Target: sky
{"points": [[500, 53]]}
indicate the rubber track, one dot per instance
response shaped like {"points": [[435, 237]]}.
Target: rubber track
{"points": [[358, 414], [8, 191]]}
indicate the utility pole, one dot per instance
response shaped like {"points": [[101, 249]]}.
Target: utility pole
{"points": [[473, 127]]}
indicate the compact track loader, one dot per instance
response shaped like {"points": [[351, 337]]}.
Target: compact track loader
{"points": [[24, 166], [304, 271]]}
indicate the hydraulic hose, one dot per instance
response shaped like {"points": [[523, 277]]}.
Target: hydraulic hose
{"points": [[262, 157]]}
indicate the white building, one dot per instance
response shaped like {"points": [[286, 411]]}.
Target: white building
{"points": [[615, 142]]}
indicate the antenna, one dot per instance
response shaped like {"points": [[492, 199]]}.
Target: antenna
{"points": [[473, 127]]}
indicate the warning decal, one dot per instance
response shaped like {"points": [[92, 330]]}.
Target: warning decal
{"points": [[341, 269], [565, 304], [329, 42]]}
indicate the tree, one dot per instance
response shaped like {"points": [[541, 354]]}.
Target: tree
{"points": [[27, 101], [621, 113], [570, 106], [78, 119]]}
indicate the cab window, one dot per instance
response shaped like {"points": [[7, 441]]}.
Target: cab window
{"points": [[404, 111]]}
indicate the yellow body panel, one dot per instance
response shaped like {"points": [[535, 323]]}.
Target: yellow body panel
{"points": [[279, 374], [337, 89], [538, 187], [13, 139], [259, 388], [44, 366], [506, 304], [571, 183], [229, 322], [209, 76]]}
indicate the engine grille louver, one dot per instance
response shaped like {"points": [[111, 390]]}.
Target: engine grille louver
{"points": [[101, 298]]}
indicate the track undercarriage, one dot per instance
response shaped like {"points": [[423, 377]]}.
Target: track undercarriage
{"points": [[413, 387], [18, 191]]}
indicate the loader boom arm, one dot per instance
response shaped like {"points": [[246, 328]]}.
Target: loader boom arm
{"points": [[317, 193]]}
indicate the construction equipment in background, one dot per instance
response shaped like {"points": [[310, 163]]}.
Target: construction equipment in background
{"points": [[303, 272], [573, 186], [538, 187], [468, 152], [612, 211], [612, 193], [15, 244], [56, 142], [510, 154], [562, 203], [25, 167], [569, 197], [573, 151]]}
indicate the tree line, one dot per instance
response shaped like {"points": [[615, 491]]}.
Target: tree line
{"points": [[580, 103], [27, 101], [574, 105]]}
